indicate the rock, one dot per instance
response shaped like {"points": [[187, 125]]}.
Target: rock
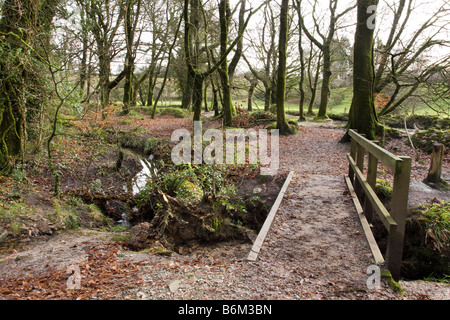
{"points": [[141, 296], [257, 190], [252, 236], [3, 235], [43, 227], [140, 235], [174, 285]]}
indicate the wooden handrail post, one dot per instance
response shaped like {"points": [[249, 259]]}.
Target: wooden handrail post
{"points": [[364, 187], [398, 211], [360, 163], [372, 180], [353, 147]]}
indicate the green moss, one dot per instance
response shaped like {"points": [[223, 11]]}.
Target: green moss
{"points": [[424, 140], [383, 189], [394, 285], [121, 237], [16, 227], [324, 118], [174, 112], [150, 145], [427, 240], [189, 191], [65, 214], [436, 217], [293, 126]]}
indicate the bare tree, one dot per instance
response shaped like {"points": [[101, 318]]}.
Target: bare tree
{"points": [[403, 64], [282, 124], [131, 20], [323, 41], [191, 51], [362, 112], [264, 45], [105, 18]]}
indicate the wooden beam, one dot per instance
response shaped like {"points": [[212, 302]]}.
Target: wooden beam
{"points": [[377, 255], [392, 161], [384, 215], [253, 255]]}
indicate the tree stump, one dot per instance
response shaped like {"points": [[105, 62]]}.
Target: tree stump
{"points": [[434, 174]]}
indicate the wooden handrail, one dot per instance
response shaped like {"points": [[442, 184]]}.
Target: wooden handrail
{"points": [[393, 221], [390, 160], [385, 217]]}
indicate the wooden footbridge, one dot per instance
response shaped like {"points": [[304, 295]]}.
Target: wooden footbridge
{"points": [[312, 209]]}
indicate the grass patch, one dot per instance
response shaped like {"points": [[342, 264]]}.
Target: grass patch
{"points": [[427, 242], [174, 112]]}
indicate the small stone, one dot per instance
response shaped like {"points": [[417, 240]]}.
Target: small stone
{"points": [[257, 190], [141, 296], [174, 285], [3, 236]]}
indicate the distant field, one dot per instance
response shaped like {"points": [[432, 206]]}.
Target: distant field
{"points": [[339, 103]]}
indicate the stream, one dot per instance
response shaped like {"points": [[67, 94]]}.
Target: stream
{"points": [[138, 182], [140, 179]]}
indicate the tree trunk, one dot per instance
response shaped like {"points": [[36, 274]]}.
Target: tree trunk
{"points": [[282, 124], [302, 64], [326, 77], [197, 96], [187, 93], [251, 89], [18, 22], [224, 8], [215, 99], [267, 97], [362, 111], [128, 93]]}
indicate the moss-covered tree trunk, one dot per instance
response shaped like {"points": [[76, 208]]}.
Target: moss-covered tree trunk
{"points": [[191, 53], [282, 124], [20, 23], [129, 58], [362, 112], [301, 103], [326, 78], [224, 16]]}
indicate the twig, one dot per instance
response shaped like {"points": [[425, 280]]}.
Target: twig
{"points": [[410, 141]]}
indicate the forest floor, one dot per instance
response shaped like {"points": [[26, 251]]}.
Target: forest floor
{"points": [[315, 248]]}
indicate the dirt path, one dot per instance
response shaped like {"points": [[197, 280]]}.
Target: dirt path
{"points": [[314, 250]]}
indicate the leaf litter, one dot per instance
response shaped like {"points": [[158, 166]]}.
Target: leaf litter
{"points": [[309, 253]]}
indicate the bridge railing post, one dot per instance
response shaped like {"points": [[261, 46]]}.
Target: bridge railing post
{"points": [[364, 188], [399, 209]]}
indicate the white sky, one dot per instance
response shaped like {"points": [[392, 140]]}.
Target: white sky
{"points": [[424, 10]]}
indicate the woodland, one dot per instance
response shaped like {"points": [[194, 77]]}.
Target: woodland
{"points": [[91, 92]]}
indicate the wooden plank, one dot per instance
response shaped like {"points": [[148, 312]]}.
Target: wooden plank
{"points": [[377, 255], [392, 161], [384, 215], [253, 255]]}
